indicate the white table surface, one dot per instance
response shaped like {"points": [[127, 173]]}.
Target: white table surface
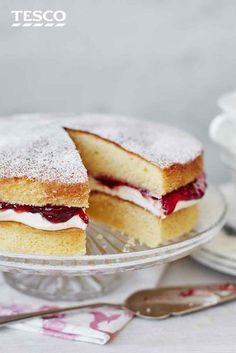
{"points": [[210, 331]]}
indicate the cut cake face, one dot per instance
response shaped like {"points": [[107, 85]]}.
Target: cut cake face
{"points": [[160, 144]]}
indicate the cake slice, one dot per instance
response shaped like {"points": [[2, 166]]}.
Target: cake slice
{"points": [[43, 189], [145, 178]]}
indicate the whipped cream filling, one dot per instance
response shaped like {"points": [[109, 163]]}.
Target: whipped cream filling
{"points": [[35, 220], [134, 195]]}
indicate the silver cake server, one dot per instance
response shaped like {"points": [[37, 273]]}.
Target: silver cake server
{"points": [[158, 303]]}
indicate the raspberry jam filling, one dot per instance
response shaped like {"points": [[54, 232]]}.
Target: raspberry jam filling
{"points": [[192, 191], [53, 214]]}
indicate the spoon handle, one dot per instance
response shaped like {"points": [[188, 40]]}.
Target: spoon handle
{"points": [[44, 313]]}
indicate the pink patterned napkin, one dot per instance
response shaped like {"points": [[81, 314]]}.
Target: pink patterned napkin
{"points": [[86, 325]]}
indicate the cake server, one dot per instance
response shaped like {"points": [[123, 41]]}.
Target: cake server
{"points": [[158, 303]]}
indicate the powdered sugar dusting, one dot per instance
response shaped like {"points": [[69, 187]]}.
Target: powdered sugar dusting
{"points": [[38, 150], [37, 147], [158, 143]]}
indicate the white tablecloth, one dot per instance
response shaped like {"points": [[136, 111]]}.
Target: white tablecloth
{"points": [[210, 331]]}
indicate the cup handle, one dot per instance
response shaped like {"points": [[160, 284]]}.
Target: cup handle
{"points": [[222, 130]]}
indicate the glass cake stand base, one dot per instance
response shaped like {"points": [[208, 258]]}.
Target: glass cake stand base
{"points": [[58, 288], [109, 253]]}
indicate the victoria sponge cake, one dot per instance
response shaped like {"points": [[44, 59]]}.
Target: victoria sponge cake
{"points": [[142, 178]]}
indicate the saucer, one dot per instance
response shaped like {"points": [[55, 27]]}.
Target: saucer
{"points": [[220, 253]]}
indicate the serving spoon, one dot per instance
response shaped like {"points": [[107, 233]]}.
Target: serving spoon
{"points": [[158, 303]]}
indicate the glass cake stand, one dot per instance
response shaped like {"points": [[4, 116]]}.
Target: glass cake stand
{"points": [[109, 253]]}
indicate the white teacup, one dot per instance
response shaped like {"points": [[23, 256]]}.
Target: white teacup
{"points": [[228, 103], [223, 128], [223, 131]]}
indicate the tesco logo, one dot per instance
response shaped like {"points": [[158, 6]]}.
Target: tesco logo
{"points": [[38, 18]]}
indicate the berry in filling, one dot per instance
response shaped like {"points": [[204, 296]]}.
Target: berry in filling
{"points": [[53, 214], [192, 191]]}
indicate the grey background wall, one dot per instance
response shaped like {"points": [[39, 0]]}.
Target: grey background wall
{"points": [[161, 60]]}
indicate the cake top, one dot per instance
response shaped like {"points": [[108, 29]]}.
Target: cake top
{"points": [[161, 144], [35, 149]]}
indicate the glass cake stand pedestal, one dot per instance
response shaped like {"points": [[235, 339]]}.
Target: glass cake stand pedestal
{"points": [[109, 254]]}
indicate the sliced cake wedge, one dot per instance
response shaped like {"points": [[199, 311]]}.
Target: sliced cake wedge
{"points": [[43, 190]]}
